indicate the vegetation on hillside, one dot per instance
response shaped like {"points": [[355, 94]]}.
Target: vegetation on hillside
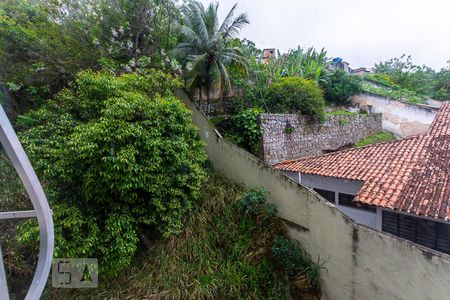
{"points": [[394, 93], [233, 246], [108, 150], [403, 80], [379, 137], [339, 86], [296, 95]]}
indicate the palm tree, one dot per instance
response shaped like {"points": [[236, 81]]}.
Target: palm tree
{"points": [[205, 48]]}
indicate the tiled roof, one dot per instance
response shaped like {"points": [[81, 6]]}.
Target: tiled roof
{"points": [[410, 175]]}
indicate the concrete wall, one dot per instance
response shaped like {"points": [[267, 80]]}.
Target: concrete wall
{"points": [[400, 118], [288, 136], [360, 263]]}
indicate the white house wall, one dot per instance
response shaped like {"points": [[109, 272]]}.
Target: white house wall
{"points": [[401, 119], [344, 186]]}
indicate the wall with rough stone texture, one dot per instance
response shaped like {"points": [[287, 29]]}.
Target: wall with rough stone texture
{"points": [[288, 136], [360, 263], [401, 119]]}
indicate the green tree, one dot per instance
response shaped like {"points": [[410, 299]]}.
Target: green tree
{"points": [[442, 84], [297, 95], [118, 155], [43, 44], [305, 63], [339, 86], [406, 74], [37, 57], [206, 48]]}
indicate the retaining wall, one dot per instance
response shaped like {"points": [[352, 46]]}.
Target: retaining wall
{"points": [[289, 136], [401, 119], [360, 263]]}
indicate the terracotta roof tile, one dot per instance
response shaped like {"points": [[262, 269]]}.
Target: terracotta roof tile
{"points": [[411, 174]]}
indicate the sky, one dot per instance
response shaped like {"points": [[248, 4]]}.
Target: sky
{"points": [[363, 32]]}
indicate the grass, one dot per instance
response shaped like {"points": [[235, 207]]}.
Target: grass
{"points": [[224, 252], [341, 113], [395, 93], [376, 138]]}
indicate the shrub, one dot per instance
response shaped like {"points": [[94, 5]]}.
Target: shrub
{"points": [[254, 202], [296, 95], [120, 154], [339, 86], [247, 129], [296, 261]]}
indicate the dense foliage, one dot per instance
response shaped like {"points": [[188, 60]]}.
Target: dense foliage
{"points": [[339, 86], [118, 155], [305, 63], [295, 260], [442, 85], [407, 75], [296, 95], [247, 130], [43, 44], [225, 252], [395, 93]]}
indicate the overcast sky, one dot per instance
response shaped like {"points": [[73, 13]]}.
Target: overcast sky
{"points": [[363, 32]]}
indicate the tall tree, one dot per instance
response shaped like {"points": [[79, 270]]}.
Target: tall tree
{"points": [[206, 49]]}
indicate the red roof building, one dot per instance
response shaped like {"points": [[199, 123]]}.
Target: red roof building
{"points": [[408, 176]]}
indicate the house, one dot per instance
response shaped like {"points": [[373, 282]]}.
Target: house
{"points": [[400, 187], [339, 63], [268, 54], [360, 71]]}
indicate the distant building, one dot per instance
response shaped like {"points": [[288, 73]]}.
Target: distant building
{"points": [[400, 187], [268, 54], [339, 63], [361, 71]]}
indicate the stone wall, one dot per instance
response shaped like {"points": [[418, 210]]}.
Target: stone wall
{"points": [[289, 136], [401, 119], [360, 263]]}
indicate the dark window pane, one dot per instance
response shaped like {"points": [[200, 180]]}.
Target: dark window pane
{"points": [[407, 227], [347, 200], [328, 195], [443, 237], [390, 222], [426, 233]]}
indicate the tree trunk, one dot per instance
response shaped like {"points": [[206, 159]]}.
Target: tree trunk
{"points": [[200, 98]]}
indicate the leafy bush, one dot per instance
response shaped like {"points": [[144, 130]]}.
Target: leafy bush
{"points": [[247, 129], [404, 73], [399, 94], [297, 95], [222, 253], [296, 261], [254, 202], [119, 154], [442, 85], [382, 79], [339, 86]]}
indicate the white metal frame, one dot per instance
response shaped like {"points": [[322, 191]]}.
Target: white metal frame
{"points": [[20, 161]]}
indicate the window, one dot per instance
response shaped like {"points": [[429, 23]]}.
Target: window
{"points": [[328, 195], [435, 235], [347, 200]]}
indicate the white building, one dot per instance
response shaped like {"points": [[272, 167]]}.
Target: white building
{"points": [[400, 187]]}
